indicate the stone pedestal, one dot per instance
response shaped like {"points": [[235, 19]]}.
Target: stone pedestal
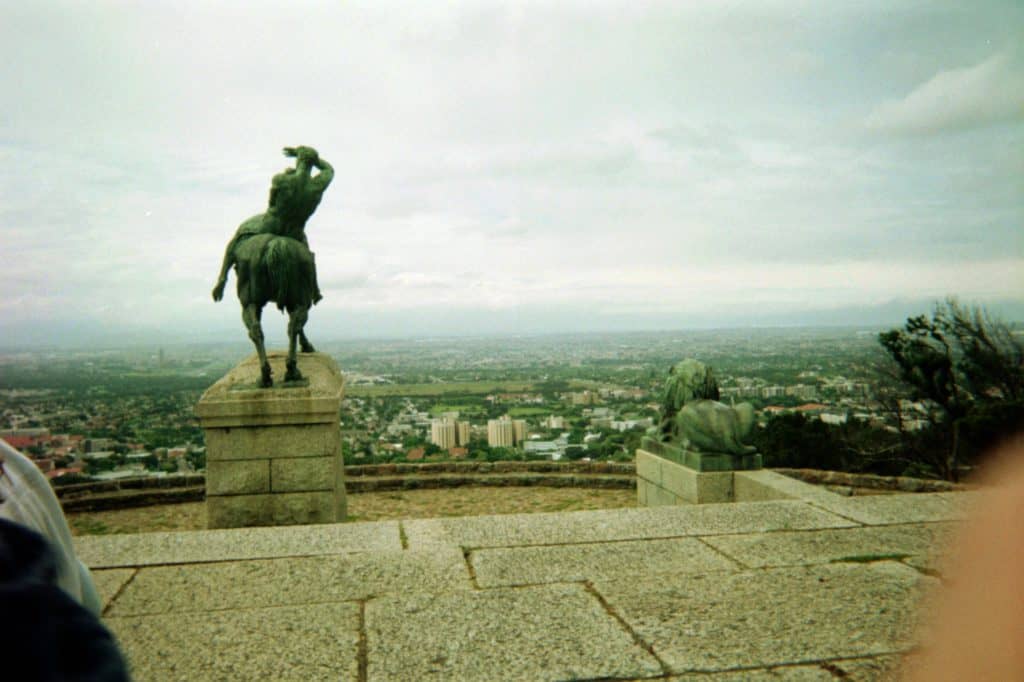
{"points": [[667, 475], [273, 456]]}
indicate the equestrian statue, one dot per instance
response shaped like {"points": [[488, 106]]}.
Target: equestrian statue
{"points": [[272, 260]]}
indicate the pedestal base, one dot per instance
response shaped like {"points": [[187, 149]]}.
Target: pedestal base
{"points": [[702, 461], [667, 475], [273, 456]]}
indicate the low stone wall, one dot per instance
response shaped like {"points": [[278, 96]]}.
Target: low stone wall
{"points": [[140, 492], [625, 468], [128, 499], [70, 492], [872, 481], [551, 480]]}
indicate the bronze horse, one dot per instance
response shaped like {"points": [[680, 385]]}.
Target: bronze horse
{"points": [[278, 269], [272, 259]]}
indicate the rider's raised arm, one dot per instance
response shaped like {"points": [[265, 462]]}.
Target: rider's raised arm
{"points": [[305, 158], [324, 177]]}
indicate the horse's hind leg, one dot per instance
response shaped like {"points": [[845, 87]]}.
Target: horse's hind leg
{"points": [[296, 321], [304, 343], [251, 317]]}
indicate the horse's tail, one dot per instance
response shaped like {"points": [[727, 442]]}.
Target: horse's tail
{"points": [[289, 269]]}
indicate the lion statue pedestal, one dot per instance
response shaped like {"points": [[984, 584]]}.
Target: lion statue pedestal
{"points": [[700, 442], [702, 461]]}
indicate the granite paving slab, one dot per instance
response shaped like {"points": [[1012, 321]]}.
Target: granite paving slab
{"points": [[823, 546], [567, 563], [281, 582], [547, 632], [796, 673], [934, 563], [873, 669], [771, 617], [618, 524], [905, 508], [147, 549], [311, 642], [109, 582]]}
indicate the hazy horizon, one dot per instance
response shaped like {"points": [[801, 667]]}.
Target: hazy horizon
{"points": [[545, 167], [73, 336]]}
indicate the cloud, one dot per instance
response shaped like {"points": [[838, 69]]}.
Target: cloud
{"points": [[585, 154], [958, 99], [357, 280]]}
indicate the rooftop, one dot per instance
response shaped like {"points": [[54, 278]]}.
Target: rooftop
{"points": [[806, 589]]}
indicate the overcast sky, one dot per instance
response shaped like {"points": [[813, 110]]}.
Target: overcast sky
{"points": [[555, 165]]}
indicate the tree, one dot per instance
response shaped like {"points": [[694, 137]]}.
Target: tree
{"points": [[575, 452], [479, 449], [963, 361], [792, 440], [502, 454], [197, 459], [70, 479]]}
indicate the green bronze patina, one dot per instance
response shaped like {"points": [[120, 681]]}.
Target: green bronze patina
{"points": [[272, 260], [698, 431]]}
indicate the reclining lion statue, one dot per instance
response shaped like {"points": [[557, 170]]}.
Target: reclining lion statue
{"points": [[693, 419]]}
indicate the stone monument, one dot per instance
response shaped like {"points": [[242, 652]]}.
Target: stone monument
{"points": [[273, 456], [699, 442], [273, 453]]}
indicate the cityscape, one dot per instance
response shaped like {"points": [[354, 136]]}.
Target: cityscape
{"points": [[97, 415]]}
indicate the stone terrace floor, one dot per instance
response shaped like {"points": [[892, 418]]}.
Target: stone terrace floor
{"points": [[792, 589]]}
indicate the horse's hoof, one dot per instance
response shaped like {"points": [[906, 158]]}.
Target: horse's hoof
{"points": [[308, 348], [265, 378]]}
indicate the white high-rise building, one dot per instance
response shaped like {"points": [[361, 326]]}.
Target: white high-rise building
{"points": [[500, 433], [462, 433], [505, 432], [555, 422], [518, 431], [443, 433]]}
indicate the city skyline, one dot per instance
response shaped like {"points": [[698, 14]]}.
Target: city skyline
{"points": [[560, 167]]}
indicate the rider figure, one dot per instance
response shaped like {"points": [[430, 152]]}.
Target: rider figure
{"points": [[294, 196]]}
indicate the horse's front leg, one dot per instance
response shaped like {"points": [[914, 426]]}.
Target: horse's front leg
{"points": [[296, 321], [251, 317]]}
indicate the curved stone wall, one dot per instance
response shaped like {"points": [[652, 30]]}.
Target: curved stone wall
{"points": [[139, 492]]}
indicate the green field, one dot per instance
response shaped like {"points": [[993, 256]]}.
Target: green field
{"points": [[463, 410], [528, 411], [440, 389]]}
